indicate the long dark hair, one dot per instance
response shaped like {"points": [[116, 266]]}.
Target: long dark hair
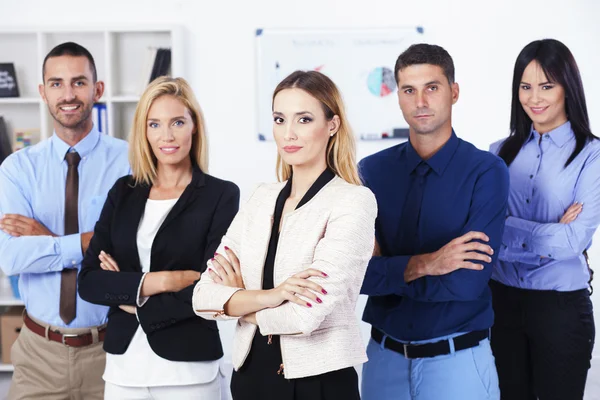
{"points": [[560, 67]]}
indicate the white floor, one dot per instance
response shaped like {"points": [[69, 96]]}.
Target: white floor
{"points": [[592, 391]]}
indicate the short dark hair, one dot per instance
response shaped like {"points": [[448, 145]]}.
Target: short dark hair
{"points": [[423, 53], [71, 49]]}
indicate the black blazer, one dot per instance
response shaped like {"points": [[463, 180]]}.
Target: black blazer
{"points": [[188, 237]]}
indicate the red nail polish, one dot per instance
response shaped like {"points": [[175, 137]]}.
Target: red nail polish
{"points": [[324, 291], [324, 274], [226, 248], [212, 259], [309, 305], [216, 254], [319, 300]]}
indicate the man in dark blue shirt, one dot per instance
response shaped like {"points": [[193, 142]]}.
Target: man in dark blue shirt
{"points": [[442, 205]]}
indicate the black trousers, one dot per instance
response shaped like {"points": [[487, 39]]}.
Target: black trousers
{"points": [[542, 342], [258, 379]]}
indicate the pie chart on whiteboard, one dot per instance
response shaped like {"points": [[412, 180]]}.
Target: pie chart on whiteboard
{"points": [[381, 82]]}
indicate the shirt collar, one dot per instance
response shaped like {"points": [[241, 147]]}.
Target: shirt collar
{"points": [[559, 135], [439, 161], [84, 147]]}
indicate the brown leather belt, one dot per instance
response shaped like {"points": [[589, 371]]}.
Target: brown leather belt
{"points": [[68, 339]]}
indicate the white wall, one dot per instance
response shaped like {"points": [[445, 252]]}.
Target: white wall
{"points": [[484, 39]]}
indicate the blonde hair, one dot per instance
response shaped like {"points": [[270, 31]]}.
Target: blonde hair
{"points": [[341, 148], [141, 157]]}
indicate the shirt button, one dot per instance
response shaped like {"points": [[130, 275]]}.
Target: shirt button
{"points": [[550, 255], [522, 279], [73, 262], [530, 176], [538, 156], [523, 245], [527, 201]]}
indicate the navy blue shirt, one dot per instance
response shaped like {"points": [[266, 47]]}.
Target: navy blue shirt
{"points": [[466, 190]]}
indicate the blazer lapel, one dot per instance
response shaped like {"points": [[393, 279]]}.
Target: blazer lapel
{"points": [[140, 197], [256, 236], [189, 195]]}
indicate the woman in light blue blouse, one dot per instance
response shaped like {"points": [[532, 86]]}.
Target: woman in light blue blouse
{"points": [[543, 333]]}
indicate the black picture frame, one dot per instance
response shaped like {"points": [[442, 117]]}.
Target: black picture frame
{"points": [[8, 80]]}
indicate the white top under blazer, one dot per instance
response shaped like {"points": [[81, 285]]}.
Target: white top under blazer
{"points": [[140, 366]]}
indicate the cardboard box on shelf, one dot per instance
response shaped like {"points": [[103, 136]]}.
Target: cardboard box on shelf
{"points": [[10, 326]]}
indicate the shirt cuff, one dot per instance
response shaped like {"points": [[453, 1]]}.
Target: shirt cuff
{"points": [[140, 301], [70, 250], [514, 255], [517, 233]]}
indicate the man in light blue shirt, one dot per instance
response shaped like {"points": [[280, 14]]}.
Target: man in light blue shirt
{"points": [[51, 195]]}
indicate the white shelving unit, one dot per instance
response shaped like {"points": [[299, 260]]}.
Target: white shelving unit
{"points": [[6, 368], [120, 54], [7, 299], [20, 100]]}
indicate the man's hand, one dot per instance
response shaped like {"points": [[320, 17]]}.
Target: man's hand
{"points": [[85, 241], [451, 257], [17, 225]]}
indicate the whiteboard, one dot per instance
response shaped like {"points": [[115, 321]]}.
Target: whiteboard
{"points": [[359, 61]]}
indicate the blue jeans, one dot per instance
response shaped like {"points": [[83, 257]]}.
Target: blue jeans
{"points": [[468, 374]]}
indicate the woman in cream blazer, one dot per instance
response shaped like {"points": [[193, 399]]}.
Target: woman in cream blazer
{"points": [[292, 263]]}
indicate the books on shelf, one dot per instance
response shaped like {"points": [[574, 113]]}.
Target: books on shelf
{"points": [[157, 63], [8, 81], [99, 116], [23, 137], [162, 64]]}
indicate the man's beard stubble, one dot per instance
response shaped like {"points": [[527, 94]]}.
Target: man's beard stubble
{"points": [[75, 124]]}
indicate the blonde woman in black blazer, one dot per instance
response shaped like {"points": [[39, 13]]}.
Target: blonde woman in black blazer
{"points": [[158, 228]]}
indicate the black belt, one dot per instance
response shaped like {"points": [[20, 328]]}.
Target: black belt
{"points": [[428, 350]]}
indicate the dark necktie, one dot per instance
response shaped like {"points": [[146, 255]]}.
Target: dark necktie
{"points": [[411, 212], [68, 282]]}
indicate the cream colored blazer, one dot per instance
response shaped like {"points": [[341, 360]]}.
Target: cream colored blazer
{"points": [[334, 233]]}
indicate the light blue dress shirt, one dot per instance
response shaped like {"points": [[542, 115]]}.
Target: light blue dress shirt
{"points": [[537, 251], [32, 183]]}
